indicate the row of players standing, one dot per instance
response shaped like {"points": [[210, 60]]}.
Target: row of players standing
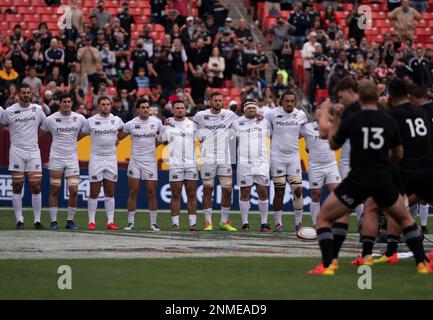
{"points": [[212, 127]]}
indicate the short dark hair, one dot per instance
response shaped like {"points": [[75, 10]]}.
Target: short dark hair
{"points": [[347, 83], [178, 101], [288, 93], [24, 86], [416, 91], [64, 96], [397, 88], [140, 101], [215, 93], [101, 98]]}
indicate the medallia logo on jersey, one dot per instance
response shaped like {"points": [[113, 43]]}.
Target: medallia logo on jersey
{"points": [[58, 120], [286, 123]]}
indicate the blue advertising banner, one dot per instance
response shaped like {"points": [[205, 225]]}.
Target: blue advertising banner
{"points": [[121, 195]]}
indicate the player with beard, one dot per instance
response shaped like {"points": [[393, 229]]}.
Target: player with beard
{"points": [[24, 119]]}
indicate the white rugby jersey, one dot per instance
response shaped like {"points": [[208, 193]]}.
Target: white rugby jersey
{"points": [[103, 133], [319, 149], [214, 132], [263, 110], [1, 114], [65, 130], [181, 137], [285, 131], [143, 137], [345, 153], [24, 125], [253, 140]]}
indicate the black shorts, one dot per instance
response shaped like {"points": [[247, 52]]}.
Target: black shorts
{"points": [[396, 177], [357, 187], [420, 183]]}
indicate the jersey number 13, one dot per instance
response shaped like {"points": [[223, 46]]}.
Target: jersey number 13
{"points": [[376, 141]]}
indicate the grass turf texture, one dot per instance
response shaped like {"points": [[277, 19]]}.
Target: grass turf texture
{"points": [[204, 278], [199, 278]]}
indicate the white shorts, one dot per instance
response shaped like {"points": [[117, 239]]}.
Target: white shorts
{"points": [[102, 169], [143, 170], [68, 167], [343, 169], [247, 175], [181, 174], [210, 171], [22, 160], [291, 166], [320, 174]]}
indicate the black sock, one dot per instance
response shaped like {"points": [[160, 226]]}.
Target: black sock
{"points": [[413, 241], [339, 231], [391, 248], [367, 245], [324, 235]]}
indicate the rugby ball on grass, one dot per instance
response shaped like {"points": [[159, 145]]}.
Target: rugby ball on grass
{"points": [[307, 234]]}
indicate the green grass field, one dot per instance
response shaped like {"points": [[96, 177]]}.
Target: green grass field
{"points": [[198, 278]]}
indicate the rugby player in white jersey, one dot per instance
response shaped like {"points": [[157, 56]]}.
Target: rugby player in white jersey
{"points": [[180, 136], [262, 108], [253, 139], [24, 119], [144, 130], [347, 93], [286, 122], [64, 126], [322, 165], [1, 114], [214, 126], [103, 128]]}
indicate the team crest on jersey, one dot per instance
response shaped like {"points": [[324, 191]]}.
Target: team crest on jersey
{"points": [[150, 175], [17, 112], [241, 123], [113, 121], [74, 119], [37, 166], [34, 109], [130, 172], [337, 178], [152, 126], [243, 182], [316, 129], [279, 116], [229, 170], [16, 166], [115, 176], [222, 117], [206, 117], [94, 177], [137, 126], [175, 176], [194, 175], [315, 184], [97, 123], [207, 174], [279, 171], [298, 171], [58, 120]]}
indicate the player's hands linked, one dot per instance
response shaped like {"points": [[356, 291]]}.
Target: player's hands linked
{"points": [[338, 110], [259, 117]]}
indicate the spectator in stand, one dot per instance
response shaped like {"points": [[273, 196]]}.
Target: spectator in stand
{"points": [[89, 57], [108, 59], [54, 56], [242, 32], [352, 51], [401, 70], [278, 88], [70, 57], [128, 102], [79, 78], [140, 58], [99, 77], [279, 32], [157, 8], [220, 12], [202, 32], [420, 67], [211, 26], [216, 67], [56, 77], [318, 64], [198, 58], [178, 60], [239, 66], [18, 57], [77, 16], [126, 19], [117, 28], [329, 15], [301, 22], [287, 54], [33, 81], [188, 31], [393, 4], [17, 34], [339, 73], [359, 64], [342, 61], [155, 93], [352, 20], [142, 80], [171, 19], [308, 51], [127, 82], [387, 49], [404, 19], [119, 110], [282, 71], [166, 73], [419, 5], [120, 48], [259, 64], [100, 40], [8, 76], [102, 17]]}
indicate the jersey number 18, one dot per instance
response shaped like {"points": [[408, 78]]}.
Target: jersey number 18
{"points": [[416, 127]]}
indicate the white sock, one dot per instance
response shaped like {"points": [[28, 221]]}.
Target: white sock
{"points": [[37, 206], [298, 216], [423, 214], [224, 214], [109, 209], [264, 209], [245, 207], [192, 219], [71, 213], [17, 203], [359, 210], [208, 215], [92, 204], [153, 216], [53, 213], [131, 217], [175, 220], [314, 211], [277, 217]]}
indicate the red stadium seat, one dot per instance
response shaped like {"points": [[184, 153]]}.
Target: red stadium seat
{"points": [[15, 18], [378, 15], [235, 92], [112, 91], [38, 3], [422, 24], [26, 10], [371, 31], [225, 91], [194, 12], [143, 91], [45, 10], [423, 31], [32, 18], [228, 84], [381, 23], [33, 25]]}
